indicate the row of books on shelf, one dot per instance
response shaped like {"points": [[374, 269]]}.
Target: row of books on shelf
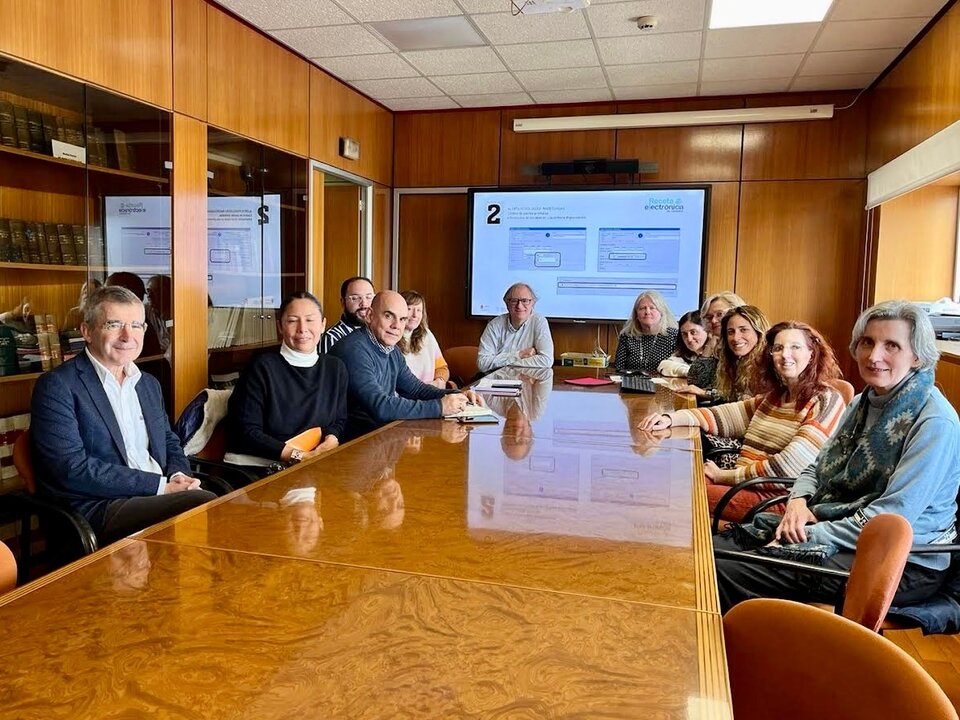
{"points": [[23, 241], [32, 130], [11, 428], [40, 347], [229, 326]]}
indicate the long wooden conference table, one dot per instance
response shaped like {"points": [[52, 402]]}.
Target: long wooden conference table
{"points": [[556, 564]]}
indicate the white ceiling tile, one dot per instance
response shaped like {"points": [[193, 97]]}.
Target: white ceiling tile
{"points": [[750, 68], [832, 82], [767, 40], [652, 92], [504, 28], [367, 67], [549, 55], [744, 87], [334, 41], [456, 61], [480, 84], [397, 88], [686, 71], [848, 62], [423, 103], [566, 79], [865, 34], [494, 100], [288, 13], [618, 19], [872, 9], [649, 48], [476, 7], [569, 96], [375, 10]]}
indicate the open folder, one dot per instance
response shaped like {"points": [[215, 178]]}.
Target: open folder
{"points": [[307, 440], [472, 413]]}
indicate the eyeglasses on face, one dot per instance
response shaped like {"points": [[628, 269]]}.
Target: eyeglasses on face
{"points": [[357, 298], [520, 301], [117, 326]]}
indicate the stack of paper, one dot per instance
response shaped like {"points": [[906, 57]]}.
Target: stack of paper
{"points": [[489, 386]]}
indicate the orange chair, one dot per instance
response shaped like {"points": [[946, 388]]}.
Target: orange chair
{"points": [[8, 569], [791, 661], [882, 551], [462, 361], [844, 388], [67, 534]]}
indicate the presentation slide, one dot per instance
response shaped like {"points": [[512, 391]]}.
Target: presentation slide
{"points": [[243, 244], [587, 253]]}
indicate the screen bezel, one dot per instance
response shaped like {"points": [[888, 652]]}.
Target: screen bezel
{"points": [[471, 195]]}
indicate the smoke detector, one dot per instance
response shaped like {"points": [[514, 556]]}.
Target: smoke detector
{"points": [[537, 7], [647, 22]]}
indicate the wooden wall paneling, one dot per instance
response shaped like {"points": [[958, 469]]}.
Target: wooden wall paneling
{"points": [[807, 150], [433, 261], [341, 243], [917, 245], [256, 87], [190, 57], [15, 396], [684, 154], [382, 238], [336, 111], [189, 189], [518, 150], [124, 45], [721, 253], [920, 96], [948, 379], [316, 239], [447, 149], [799, 253]]}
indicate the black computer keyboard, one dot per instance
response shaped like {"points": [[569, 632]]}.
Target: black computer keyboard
{"points": [[636, 384]]}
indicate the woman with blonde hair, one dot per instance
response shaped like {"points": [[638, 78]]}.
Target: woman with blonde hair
{"points": [[419, 346], [649, 336]]}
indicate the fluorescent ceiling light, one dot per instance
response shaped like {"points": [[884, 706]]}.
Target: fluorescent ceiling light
{"points": [[747, 13], [674, 119]]}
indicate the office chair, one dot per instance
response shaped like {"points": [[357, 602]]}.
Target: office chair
{"points": [[791, 661], [462, 361], [203, 435], [8, 569], [844, 388], [67, 534]]}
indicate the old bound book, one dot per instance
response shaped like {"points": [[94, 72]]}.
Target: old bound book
{"points": [[67, 249], [94, 246], [6, 247], [121, 149], [53, 244], [18, 241], [8, 127], [53, 334], [23, 127], [33, 249], [80, 244], [42, 242], [35, 127], [49, 131], [100, 139], [73, 132]]}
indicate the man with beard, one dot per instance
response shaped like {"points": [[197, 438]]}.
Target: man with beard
{"points": [[356, 294]]}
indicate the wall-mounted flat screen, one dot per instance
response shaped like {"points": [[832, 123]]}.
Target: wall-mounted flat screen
{"points": [[587, 254]]}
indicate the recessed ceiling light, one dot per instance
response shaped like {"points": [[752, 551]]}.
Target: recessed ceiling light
{"points": [[747, 13], [429, 33]]}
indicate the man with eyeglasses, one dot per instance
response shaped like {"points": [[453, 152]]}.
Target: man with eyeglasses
{"points": [[101, 440], [520, 337], [356, 296]]}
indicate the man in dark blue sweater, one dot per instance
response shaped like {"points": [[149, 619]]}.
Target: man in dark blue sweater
{"points": [[381, 388]]}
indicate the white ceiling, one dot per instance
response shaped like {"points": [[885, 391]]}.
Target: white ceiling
{"points": [[594, 55]]}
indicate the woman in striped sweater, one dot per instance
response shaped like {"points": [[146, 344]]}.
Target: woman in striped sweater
{"points": [[782, 429]]}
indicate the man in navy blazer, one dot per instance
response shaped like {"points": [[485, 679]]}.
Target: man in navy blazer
{"points": [[100, 437]]}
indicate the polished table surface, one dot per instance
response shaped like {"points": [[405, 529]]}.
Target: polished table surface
{"points": [[427, 570]]}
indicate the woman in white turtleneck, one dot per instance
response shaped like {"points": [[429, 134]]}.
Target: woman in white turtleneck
{"points": [[281, 395], [419, 346]]}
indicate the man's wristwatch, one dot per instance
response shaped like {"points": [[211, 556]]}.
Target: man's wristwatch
{"points": [[296, 455]]}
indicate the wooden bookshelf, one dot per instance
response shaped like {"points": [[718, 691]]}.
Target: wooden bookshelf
{"points": [[81, 166], [21, 377], [53, 268]]}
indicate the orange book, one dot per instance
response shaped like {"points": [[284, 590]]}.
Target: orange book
{"points": [[307, 440]]}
